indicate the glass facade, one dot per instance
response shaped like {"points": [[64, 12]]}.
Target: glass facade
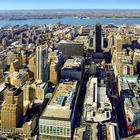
{"points": [[55, 128]]}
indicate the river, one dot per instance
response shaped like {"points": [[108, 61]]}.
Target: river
{"points": [[71, 21]]}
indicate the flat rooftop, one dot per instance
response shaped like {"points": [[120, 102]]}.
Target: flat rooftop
{"points": [[61, 104], [70, 42], [74, 62]]}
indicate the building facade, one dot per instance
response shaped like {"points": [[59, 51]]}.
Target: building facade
{"points": [[41, 64]]}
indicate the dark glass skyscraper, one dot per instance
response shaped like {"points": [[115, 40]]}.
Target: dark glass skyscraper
{"points": [[98, 38]]}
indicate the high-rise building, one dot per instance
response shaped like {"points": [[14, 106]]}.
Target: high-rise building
{"points": [[118, 43], [41, 64], [12, 110], [71, 48], [32, 65], [98, 37], [1, 75], [55, 61]]}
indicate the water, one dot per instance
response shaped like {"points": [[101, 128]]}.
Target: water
{"points": [[72, 21]]}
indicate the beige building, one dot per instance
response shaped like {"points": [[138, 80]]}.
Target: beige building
{"points": [[54, 75], [123, 64], [55, 64], [15, 66], [41, 64], [125, 67], [32, 65], [12, 110], [29, 127], [34, 92], [118, 43], [18, 79], [57, 119], [28, 92]]}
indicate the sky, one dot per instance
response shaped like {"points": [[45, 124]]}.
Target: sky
{"points": [[69, 4]]}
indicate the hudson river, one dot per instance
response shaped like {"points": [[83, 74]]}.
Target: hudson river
{"points": [[71, 21]]}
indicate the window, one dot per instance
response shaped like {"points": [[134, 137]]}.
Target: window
{"points": [[68, 131], [65, 131]]}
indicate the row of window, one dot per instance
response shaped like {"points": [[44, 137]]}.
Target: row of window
{"points": [[58, 123], [54, 130]]}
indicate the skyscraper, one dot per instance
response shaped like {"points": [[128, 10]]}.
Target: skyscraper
{"points": [[98, 39], [41, 64], [12, 110]]}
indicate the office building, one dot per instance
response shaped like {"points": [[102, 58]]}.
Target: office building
{"points": [[40, 91], [123, 64], [109, 131], [97, 131], [57, 119], [89, 132], [12, 111], [41, 64], [131, 106], [118, 43], [98, 37], [97, 106], [29, 127], [73, 68], [18, 79], [56, 62], [130, 94], [32, 65], [136, 58], [71, 48], [84, 31]]}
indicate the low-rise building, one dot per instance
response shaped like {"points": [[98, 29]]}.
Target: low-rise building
{"points": [[97, 106], [57, 119]]}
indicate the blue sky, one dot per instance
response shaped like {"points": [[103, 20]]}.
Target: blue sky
{"points": [[69, 4]]}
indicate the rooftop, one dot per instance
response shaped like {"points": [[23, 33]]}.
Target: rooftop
{"points": [[70, 42], [73, 62], [97, 107]]}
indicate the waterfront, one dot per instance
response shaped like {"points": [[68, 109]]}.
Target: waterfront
{"points": [[71, 21]]}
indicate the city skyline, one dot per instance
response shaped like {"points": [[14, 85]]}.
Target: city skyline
{"points": [[63, 4]]}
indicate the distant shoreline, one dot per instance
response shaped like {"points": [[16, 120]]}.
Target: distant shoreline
{"points": [[107, 17], [62, 13]]}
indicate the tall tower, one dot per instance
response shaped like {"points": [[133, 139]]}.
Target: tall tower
{"points": [[98, 37], [41, 64]]}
